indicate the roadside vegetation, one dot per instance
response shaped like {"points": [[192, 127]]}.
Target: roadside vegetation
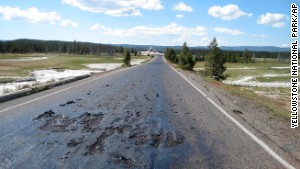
{"points": [[19, 57], [19, 71], [260, 76], [184, 58], [127, 58], [214, 62], [12, 65]]}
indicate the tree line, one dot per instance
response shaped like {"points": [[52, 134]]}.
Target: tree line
{"points": [[245, 56], [214, 59], [183, 58], [65, 47]]}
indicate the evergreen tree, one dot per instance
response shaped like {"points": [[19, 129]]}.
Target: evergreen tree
{"points": [[135, 52], [214, 62], [253, 57], [167, 53], [127, 58], [279, 57], [170, 54], [121, 50], [246, 56], [185, 59]]}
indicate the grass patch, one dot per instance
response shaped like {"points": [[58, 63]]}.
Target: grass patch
{"points": [[273, 79], [277, 107], [6, 80], [54, 61], [277, 100], [249, 65], [8, 56], [239, 70]]}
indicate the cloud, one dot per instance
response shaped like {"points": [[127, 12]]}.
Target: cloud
{"points": [[190, 40], [152, 4], [179, 16], [116, 7], [170, 29], [286, 45], [97, 26], [258, 35], [274, 19], [65, 23], [228, 31], [183, 7], [33, 15], [227, 12]]}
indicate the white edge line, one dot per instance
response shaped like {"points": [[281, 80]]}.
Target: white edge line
{"points": [[77, 85], [252, 136]]}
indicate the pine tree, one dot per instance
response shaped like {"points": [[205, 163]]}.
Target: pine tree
{"points": [[247, 56], [279, 57], [214, 62], [127, 58], [135, 52], [170, 54], [121, 50], [185, 59]]}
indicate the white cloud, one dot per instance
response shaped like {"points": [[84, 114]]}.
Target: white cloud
{"points": [[183, 7], [190, 40], [258, 35], [33, 15], [170, 29], [286, 45], [274, 19], [69, 23], [227, 12], [151, 4], [179, 16], [228, 31], [204, 39], [116, 7], [97, 26]]}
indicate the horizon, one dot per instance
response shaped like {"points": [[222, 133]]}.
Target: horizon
{"points": [[149, 22], [120, 44]]}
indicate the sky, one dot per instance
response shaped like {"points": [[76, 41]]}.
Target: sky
{"points": [[149, 22]]}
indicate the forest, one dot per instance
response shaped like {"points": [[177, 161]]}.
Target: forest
{"points": [[40, 46], [24, 46]]}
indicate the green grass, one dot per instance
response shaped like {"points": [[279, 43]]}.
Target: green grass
{"points": [[249, 65], [23, 68], [273, 79], [278, 106], [6, 80], [277, 100], [258, 69], [19, 56], [238, 73]]}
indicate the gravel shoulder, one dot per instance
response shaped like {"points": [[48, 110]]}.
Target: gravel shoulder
{"points": [[272, 129]]}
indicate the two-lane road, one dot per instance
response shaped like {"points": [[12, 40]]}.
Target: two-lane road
{"points": [[143, 117]]}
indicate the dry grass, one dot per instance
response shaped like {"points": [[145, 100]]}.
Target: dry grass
{"points": [[23, 68], [279, 107]]}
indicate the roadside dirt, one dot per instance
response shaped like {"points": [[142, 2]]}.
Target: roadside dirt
{"points": [[272, 129]]}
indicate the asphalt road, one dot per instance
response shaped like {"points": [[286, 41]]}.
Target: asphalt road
{"points": [[147, 116]]}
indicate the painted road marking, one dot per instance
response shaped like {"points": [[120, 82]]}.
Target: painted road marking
{"points": [[74, 86], [252, 136]]}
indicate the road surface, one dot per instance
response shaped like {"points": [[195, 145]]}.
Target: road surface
{"points": [[147, 116]]}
